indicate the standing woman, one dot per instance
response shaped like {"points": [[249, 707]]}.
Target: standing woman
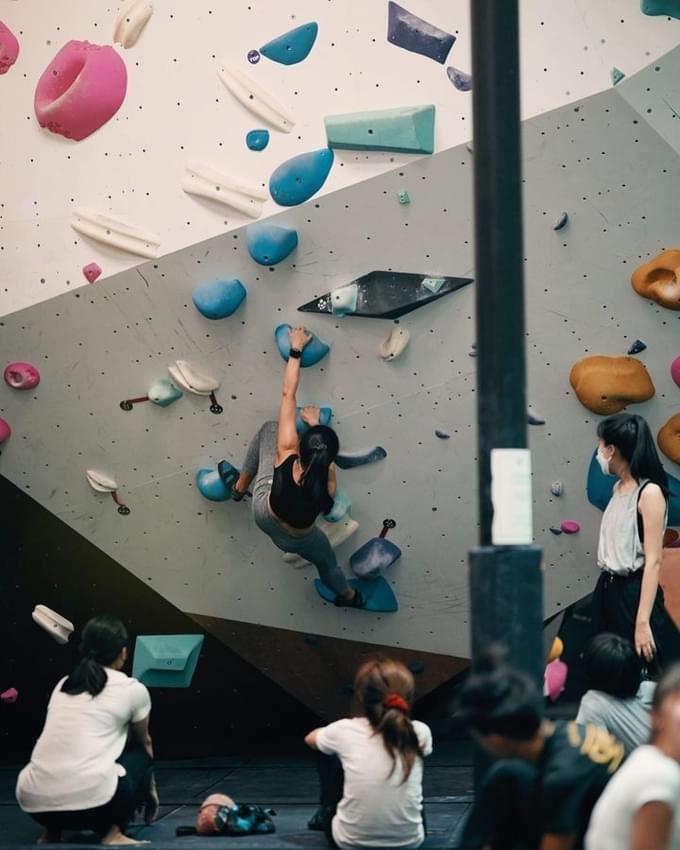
{"points": [[296, 481], [628, 600], [80, 775]]}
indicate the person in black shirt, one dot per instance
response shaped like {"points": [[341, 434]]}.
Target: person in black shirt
{"points": [[548, 777]]}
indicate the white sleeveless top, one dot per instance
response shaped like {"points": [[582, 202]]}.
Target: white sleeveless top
{"points": [[619, 549]]}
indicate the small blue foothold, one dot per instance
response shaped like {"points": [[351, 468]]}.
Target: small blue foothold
{"points": [[616, 75], [341, 505], [293, 46], [313, 352], [253, 56], [269, 244], [637, 347], [297, 179], [325, 416], [461, 80], [163, 392], [403, 197], [220, 299], [257, 140], [211, 486], [561, 221]]}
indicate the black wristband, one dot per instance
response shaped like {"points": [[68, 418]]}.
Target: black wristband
{"points": [[295, 353]]}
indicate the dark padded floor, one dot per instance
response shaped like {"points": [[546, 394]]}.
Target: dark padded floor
{"points": [[288, 784]]}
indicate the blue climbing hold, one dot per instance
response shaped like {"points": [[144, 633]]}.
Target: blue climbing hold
{"points": [[297, 179], [257, 140], [407, 129], [269, 244], [313, 352], [461, 80], [616, 76], [341, 505], [211, 485], [637, 347], [163, 392], [325, 416], [378, 594], [220, 299], [375, 556], [661, 7], [403, 197], [166, 661], [293, 46], [404, 29], [350, 460], [344, 299]]}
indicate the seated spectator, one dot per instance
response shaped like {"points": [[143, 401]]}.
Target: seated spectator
{"points": [[80, 776], [371, 769], [542, 791], [618, 700], [640, 808]]}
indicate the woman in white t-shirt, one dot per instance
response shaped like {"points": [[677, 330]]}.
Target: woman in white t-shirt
{"points": [[372, 793], [80, 776], [640, 807]]}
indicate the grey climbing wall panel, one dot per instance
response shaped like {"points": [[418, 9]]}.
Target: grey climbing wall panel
{"points": [[619, 181]]}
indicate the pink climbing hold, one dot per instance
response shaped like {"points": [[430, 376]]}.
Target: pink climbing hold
{"points": [[9, 48], [675, 370], [5, 431], [9, 696], [555, 679], [22, 376], [570, 526], [80, 90], [92, 272]]}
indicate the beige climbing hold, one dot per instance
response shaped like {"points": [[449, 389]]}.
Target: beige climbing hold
{"points": [[659, 279], [130, 21], [54, 624], [115, 232], [205, 180], [256, 99], [336, 532], [395, 343], [100, 481], [188, 379], [606, 385], [668, 438]]}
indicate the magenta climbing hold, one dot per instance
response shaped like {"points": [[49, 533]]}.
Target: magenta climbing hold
{"points": [[404, 29], [555, 679], [92, 272], [5, 431], [9, 48], [570, 526], [675, 370], [11, 695], [21, 375], [80, 90]]}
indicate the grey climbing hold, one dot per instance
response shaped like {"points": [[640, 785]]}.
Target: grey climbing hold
{"points": [[469, 147], [460, 80], [616, 75], [404, 29], [561, 221], [557, 488], [637, 347], [442, 435], [473, 350], [350, 460], [556, 531], [534, 418]]}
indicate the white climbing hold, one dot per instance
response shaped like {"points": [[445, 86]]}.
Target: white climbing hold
{"points": [[256, 99], [434, 284], [395, 343], [337, 534], [100, 481], [344, 299], [54, 624], [205, 180], [115, 232], [188, 379], [130, 21], [557, 488]]}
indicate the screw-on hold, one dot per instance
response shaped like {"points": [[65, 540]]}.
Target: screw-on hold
{"points": [[557, 488], [561, 221], [637, 347], [403, 197]]}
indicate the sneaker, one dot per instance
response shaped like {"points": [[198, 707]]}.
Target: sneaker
{"points": [[320, 820], [357, 601]]}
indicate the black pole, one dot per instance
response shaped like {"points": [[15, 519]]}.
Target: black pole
{"points": [[505, 575]]}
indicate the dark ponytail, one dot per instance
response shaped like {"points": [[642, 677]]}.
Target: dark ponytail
{"points": [[101, 643], [630, 434], [385, 689], [318, 449]]}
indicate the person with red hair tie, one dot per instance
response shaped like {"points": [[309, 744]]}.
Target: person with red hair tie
{"points": [[371, 767]]}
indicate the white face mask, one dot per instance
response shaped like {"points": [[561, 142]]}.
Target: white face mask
{"points": [[604, 463]]}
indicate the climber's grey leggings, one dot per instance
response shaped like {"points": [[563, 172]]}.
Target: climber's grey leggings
{"points": [[314, 546]]}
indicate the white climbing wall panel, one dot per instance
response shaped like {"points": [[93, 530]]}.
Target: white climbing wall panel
{"points": [[598, 159], [177, 108]]}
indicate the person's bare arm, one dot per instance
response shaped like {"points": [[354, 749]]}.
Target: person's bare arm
{"points": [[651, 825], [653, 510], [558, 842], [140, 734], [287, 440], [310, 739]]}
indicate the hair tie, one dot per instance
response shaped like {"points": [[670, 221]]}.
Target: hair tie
{"points": [[396, 701]]}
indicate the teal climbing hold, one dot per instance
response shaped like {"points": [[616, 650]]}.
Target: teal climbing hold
{"points": [[163, 392], [408, 129], [403, 197], [257, 140], [341, 505], [293, 46], [297, 179], [166, 661], [325, 416], [344, 299], [219, 299], [434, 284], [313, 352], [378, 594], [661, 7], [269, 244], [616, 75], [211, 486]]}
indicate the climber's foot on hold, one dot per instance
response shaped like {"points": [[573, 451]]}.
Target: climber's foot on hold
{"points": [[355, 600]]}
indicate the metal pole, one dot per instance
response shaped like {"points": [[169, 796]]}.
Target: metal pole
{"points": [[505, 580]]}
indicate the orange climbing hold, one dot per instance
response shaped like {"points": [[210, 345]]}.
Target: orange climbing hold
{"points": [[668, 438], [606, 385], [659, 279]]}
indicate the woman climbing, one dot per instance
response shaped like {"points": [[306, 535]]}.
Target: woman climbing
{"points": [[627, 599], [296, 481], [81, 776]]}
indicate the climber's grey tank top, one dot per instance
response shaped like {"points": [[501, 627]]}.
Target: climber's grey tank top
{"points": [[619, 548]]}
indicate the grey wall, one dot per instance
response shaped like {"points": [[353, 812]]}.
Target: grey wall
{"points": [[599, 160]]}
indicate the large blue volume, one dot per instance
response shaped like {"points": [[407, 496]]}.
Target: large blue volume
{"points": [[268, 244], [297, 179], [404, 29], [166, 661], [314, 351], [293, 46]]}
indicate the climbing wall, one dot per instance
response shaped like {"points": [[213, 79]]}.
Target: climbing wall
{"points": [[598, 159], [176, 108]]}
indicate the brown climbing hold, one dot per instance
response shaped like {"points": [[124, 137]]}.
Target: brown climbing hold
{"points": [[668, 438], [606, 385], [659, 279]]}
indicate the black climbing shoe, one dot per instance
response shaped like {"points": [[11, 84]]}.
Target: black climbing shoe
{"points": [[321, 819], [357, 601]]}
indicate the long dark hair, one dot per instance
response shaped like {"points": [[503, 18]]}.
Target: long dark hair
{"points": [[630, 434], [318, 449], [101, 643], [612, 665], [385, 689]]}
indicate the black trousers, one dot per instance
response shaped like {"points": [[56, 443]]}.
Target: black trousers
{"points": [[614, 609], [132, 791]]}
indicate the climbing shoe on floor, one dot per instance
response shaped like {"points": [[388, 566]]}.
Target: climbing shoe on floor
{"points": [[320, 820], [356, 601]]}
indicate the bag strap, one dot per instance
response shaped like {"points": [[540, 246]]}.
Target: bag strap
{"points": [[640, 524]]}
